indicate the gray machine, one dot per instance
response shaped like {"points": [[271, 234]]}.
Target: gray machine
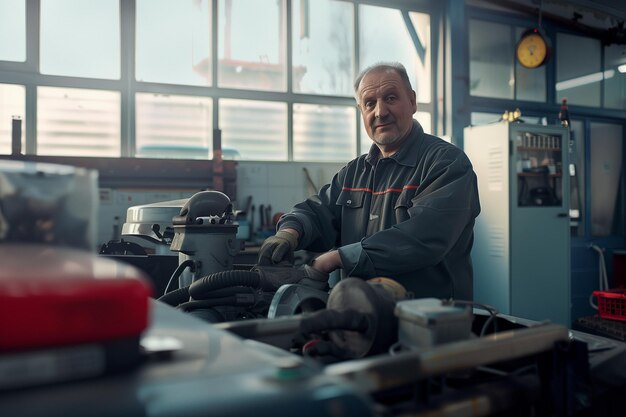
{"points": [[200, 229]]}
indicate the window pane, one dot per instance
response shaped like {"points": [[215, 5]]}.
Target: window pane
{"points": [[421, 23], [578, 79], [491, 70], [530, 83], [173, 126], [606, 171], [12, 104], [615, 77], [80, 38], [384, 36], [173, 42], [254, 130], [323, 133], [252, 45], [13, 30], [73, 122], [323, 45]]}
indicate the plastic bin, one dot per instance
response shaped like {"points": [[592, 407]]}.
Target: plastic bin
{"points": [[612, 304]]}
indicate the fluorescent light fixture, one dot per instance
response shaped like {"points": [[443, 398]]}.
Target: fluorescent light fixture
{"points": [[584, 80], [622, 68]]}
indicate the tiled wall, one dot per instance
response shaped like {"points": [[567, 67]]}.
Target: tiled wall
{"points": [[280, 184]]}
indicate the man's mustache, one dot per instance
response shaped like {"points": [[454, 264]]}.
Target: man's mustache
{"points": [[380, 122]]}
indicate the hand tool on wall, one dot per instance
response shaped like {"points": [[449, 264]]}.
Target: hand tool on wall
{"points": [[252, 209], [261, 217], [312, 187], [268, 217]]}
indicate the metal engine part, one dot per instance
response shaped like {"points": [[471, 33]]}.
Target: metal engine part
{"points": [[358, 320], [151, 224], [206, 235]]}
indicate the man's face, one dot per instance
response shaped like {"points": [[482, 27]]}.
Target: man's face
{"points": [[387, 106]]}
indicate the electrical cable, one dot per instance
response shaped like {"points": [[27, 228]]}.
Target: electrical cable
{"points": [[493, 312], [395, 348], [603, 282], [178, 271]]}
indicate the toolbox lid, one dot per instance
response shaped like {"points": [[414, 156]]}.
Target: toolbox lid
{"points": [[51, 296]]}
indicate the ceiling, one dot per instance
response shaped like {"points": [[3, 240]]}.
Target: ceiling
{"points": [[601, 18]]}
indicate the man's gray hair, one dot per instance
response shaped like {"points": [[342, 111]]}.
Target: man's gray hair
{"points": [[394, 66]]}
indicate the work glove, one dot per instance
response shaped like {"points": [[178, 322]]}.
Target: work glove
{"points": [[278, 248]]}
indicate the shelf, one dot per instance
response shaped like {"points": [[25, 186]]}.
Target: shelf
{"points": [[537, 149], [538, 174]]}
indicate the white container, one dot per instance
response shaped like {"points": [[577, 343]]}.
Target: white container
{"points": [[426, 322]]}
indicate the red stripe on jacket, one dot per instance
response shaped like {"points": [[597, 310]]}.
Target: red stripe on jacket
{"points": [[388, 190]]}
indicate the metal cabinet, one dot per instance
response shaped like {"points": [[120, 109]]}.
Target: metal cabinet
{"points": [[521, 251]]}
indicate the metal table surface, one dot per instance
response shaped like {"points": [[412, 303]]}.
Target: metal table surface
{"points": [[213, 374]]}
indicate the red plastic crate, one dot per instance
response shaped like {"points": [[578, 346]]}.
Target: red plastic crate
{"points": [[612, 304]]}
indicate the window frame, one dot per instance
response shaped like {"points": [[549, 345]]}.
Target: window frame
{"points": [[28, 75]]}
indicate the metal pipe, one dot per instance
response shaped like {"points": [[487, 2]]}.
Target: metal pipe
{"points": [[386, 372]]}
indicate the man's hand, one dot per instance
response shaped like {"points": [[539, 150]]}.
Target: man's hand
{"points": [[327, 262], [279, 248]]}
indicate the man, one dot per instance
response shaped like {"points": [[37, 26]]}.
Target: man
{"points": [[405, 210]]}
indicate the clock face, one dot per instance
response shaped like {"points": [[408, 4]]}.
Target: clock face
{"points": [[532, 50]]}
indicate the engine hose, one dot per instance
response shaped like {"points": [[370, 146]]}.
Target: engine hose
{"points": [[176, 297], [227, 292], [182, 295], [202, 288], [192, 305], [335, 320]]}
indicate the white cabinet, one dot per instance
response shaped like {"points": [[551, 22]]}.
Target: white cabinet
{"points": [[521, 251]]}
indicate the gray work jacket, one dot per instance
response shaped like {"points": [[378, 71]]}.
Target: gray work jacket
{"points": [[409, 217]]}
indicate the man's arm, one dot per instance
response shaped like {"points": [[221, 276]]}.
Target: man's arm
{"points": [[310, 225], [318, 218], [327, 262]]}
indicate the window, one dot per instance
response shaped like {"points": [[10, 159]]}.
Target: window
{"points": [[387, 35], [255, 130], [13, 30], [494, 71], [173, 42], [578, 79], [252, 45], [491, 70], [323, 133], [80, 38], [160, 78], [12, 106], [615, 76], [323, 41], [76, 122], [173, 126], [606, 172]]}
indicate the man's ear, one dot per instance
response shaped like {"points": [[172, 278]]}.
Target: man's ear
{"points": [[414, 101]]}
